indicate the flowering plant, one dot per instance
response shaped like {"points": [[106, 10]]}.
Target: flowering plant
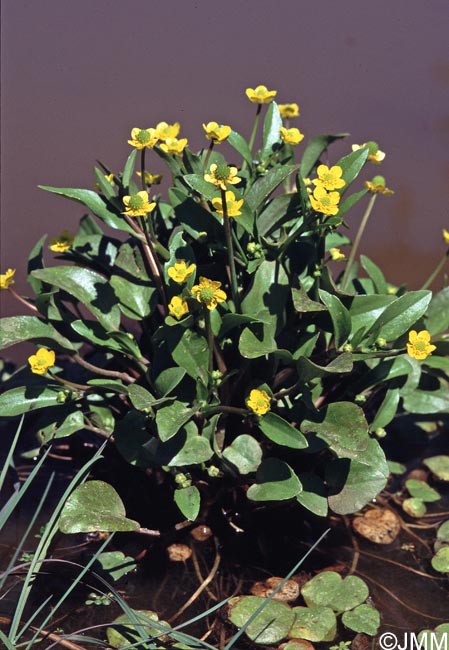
{"points": [[224, 335]]}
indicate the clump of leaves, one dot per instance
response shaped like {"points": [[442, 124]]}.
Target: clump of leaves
{"points": [[210, 331]]}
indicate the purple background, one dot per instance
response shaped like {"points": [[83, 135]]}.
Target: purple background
{"points": [[77, 76]]}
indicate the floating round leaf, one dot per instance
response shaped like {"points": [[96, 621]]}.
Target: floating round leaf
{"points": [[314, 624], [363, 618], [270, 626]]}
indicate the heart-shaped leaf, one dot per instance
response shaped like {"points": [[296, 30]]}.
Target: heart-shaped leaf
{"points": [[270, 626], [245, 453], [363, 619]]}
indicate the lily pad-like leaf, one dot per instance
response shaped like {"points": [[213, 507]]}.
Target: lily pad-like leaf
{"points": [[363, 619], [314, 624], [123, 631], [281, 432], [414, 507], [245, 453], [270, 626], [188, 501], [275, 481], [343, 427], [439, 466], [440, 560], [329, 589], [115, 564], [95, 506], [422, 490]]}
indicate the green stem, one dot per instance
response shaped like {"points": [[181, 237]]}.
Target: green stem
{"points": [[210, 338], [357, 239], [209, 151], [239, 248], [225, 409], [69, 384], [142, 169], [230, 247], [439, 267], [255, 125]]}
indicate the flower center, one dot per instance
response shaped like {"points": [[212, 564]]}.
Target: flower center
{"points": [[41, 362], [222, 172], [420, 345], [136, 202], [207, 294], [144, 136]]}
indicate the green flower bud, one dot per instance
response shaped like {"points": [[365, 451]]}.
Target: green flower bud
{"points": [[373, 147], [378, 180], [380, 433], [360, 398], [381, 342], [347, 347], [213, 471]]}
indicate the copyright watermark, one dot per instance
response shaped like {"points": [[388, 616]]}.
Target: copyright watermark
{"points": [[412, 641]]}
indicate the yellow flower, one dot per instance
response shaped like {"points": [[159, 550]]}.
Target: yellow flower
{"points": [[288, 111], [291, 136], [143, 138], [173, 145], [216, 132], [259, 401], [377, 186], [260, 95], [138, 205], [208, 292], [375, 155], [151, 179], [336, 254], [419, 346], [329, 178], [7, 279], [325, 202], [62, 243], [219, 175], [110, 178], [446, 236], [41, 361], [179, 272], [232, 205], [178, 307], [166, 131]]}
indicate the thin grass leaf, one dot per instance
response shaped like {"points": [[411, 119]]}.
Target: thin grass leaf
{"points": [[9, 456]]}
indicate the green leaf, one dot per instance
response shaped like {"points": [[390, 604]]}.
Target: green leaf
{"points": [[349, 202], [279, 210], [185, 448], [135, 298], [115, 564], [123, 630], [341, 318], [95, 506], [140, 397], [426, 401], [87, 286], [130, 436], [16, 329], [36, 261], [328, 589], [129, 169], [307, 370], [168, 379], [66, 422], [265, 185], [270, 626], [275, 481], [188, 501], [190, 351], [244, 453], [239, 143], [421, 490], [252, 347], [314, 624], [197, 183], [352, 165], [387, 410], [364, 310], [94, 203], [359, 480], [400, 315], [438, 465], [375, 273], [27, 398], [314, 149], [281, 432], [303, 303], [440, 561], [269, 291], [437, 316], [313, 495], [443, 532], [104, 185], [271, 130], [170, 419], [343, 427], [364, 619], [95, 333]]}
